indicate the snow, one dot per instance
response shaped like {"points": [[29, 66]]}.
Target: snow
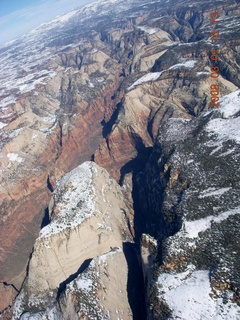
{"points": [[74, 200], [84, 284], [15, 133], [7, 101], [227, 127], [50, 314], [187, 295], [2, 125], [65, 17], [187, 64], [192, 228], [224, 129], [213, 192], [28, 83], [230, 104], [18, 306], [151, 76], [104, 257], [203, 73], [14, 157], [148, 30]]}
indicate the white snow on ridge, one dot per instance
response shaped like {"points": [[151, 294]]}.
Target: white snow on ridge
{"points": [[187, 295], [230, 104], [74, 198], [2, 125], [192, 228], [224, 129], [103, 257], [151, 76], [65, 17], [6, 102], [213, 192], [227, 128], [14, 157], [148, 30], [187, 64], [84, 284]]}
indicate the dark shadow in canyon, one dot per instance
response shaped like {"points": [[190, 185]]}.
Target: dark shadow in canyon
{"points": [[63, 285], [49, 185], [107, 126], [135, 284], [46, 219], [137, 164]]}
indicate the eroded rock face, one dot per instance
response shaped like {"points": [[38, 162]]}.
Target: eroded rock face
{"points": [[177, 82], [102, 83], [89, 217], [97, 293], [100, 291]]}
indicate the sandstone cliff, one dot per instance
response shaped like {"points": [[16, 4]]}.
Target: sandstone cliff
{"points": [[101, 83], [89, 217]]}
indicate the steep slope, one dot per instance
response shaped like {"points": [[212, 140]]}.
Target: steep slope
{"points": [[99, 83], [96, 293], [57, 90], [178, 79], [89, 218], [190, 190]]}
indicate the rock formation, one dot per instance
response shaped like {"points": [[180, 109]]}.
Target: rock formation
{"points": [[126, 84], [190, 189], [89, 217]]}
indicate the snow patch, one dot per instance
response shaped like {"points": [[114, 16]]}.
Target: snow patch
{"points": [[2, 125], [74, 200], [104, 257], [224, 129], [7, 101], [192, 228], [187, 295], [148, 30], [84, 284], [14, 157], [213, 192], [230, 104], [188, 64], [152, 76]]}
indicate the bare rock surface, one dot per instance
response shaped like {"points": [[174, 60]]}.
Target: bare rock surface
{"points": [[97, 293], [100, 83], [89, 217], [7, 295]]}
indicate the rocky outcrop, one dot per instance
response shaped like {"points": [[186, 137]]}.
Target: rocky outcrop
{"points": [[89, 217], [100, 84], [98, 292], [176, 86], [194, 213]]}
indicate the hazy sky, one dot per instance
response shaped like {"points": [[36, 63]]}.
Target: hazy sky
{"points": [[21, 16]]}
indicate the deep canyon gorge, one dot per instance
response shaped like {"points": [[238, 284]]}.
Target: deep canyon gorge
{"points": [[119, 192]]}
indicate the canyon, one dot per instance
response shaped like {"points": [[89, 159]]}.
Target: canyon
{"points": [[118, 181]]}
